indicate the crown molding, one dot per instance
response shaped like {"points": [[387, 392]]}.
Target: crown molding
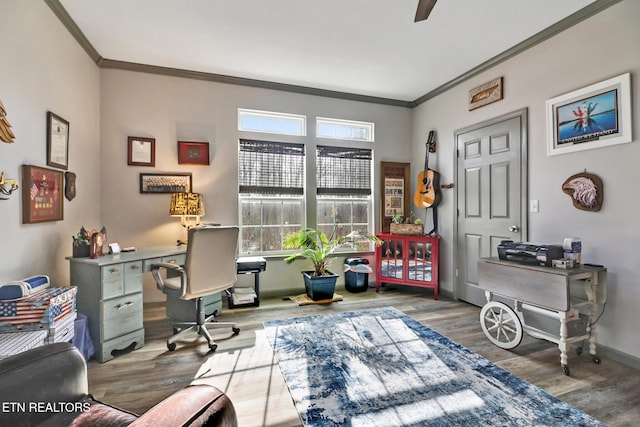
{"points": [[584, 13], [571, 20]]}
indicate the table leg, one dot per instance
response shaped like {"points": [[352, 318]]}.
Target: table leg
{"points": [[257, 287], [590, 289], [563, 345]]}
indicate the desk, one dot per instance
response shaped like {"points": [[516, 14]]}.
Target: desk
{"points": [[110, 293]]}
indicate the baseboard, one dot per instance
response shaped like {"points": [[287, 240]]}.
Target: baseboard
{"points": [[605, 352]]}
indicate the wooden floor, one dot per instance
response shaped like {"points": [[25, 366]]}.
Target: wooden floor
{"points": [[243, 366]]}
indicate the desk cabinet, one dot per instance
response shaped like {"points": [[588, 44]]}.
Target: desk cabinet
{"points": [[408, 260], [110, 295]]}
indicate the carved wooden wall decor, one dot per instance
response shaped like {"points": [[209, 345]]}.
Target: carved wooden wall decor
{"points": [[586, 191], [5, 127]]}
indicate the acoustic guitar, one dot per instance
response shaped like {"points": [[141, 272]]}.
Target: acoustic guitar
{"points": [[427, 193]]}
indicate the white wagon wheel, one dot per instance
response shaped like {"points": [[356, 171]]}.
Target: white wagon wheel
{"points": [[501, 325]]}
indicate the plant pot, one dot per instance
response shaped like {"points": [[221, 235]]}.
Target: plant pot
{"points": [[319, 287], [81, 251], [410, 229]]}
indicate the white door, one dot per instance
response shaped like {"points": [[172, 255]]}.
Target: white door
{"points": [[491, 195]]}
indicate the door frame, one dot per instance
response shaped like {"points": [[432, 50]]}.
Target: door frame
{"points": [[524, 180]]}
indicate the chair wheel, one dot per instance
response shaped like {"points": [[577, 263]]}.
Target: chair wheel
{"points": [[236, 331], [213, 347], [565, 370], [596, 360], [171, 346]]}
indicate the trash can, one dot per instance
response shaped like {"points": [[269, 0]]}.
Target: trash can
{"points": [[356, 275]]}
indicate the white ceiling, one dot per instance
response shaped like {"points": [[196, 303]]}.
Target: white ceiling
{"points": [[364, 47]]}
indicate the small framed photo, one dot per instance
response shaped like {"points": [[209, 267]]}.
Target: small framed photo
{"points": [[141, 151], [42, 194], [595, 116], [193, 153], [165, 183], [57, 141]]}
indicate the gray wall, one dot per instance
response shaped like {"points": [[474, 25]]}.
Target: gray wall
{"points": [[604, 46], [44, 69], [170, 109]]}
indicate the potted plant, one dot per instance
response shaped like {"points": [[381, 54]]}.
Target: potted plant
{"points": [[316, 246], [402, 225]]}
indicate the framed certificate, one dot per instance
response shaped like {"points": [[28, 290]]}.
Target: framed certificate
{"points": [[141, 151], [57, 141]]}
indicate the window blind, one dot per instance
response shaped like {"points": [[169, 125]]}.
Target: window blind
{"points": [[343, 171], [271, 168]]}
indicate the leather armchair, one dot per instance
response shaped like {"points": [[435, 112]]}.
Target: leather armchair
{"points": [[48, 386]]}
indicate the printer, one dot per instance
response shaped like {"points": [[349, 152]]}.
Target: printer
{"points": [[529, 253]]}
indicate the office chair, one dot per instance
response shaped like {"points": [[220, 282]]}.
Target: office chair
{"points": [[210, 267]]}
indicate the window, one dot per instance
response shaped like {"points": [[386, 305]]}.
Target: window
{"points": [[271, 122], [344, 129], [343, 188], [271, 178]]}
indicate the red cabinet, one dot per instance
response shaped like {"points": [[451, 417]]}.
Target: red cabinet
{"points": [[408, 260]]}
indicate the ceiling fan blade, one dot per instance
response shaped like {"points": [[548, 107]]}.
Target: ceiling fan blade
{"points": [[424, 9]]}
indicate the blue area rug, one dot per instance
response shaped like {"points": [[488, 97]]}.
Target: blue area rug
{"points": [[382, 368]]}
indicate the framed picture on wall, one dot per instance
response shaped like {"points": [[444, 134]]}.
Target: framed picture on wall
{"points": [[165, 183], [395, 188], [193, 153], [141, 151], [42, 194], [595, 116], [57, 141]]}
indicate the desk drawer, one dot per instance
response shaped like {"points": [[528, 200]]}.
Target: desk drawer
{"points": [[113, 328], [147, 263], [121, 316], [178, 259], [132, 277], [119, 307], [112, 281], [133, 269]]}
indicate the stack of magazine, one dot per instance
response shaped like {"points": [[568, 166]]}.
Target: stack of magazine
{"points": [[242, 296]]}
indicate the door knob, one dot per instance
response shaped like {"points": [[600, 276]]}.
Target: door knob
{"points": [[514, 228]]}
